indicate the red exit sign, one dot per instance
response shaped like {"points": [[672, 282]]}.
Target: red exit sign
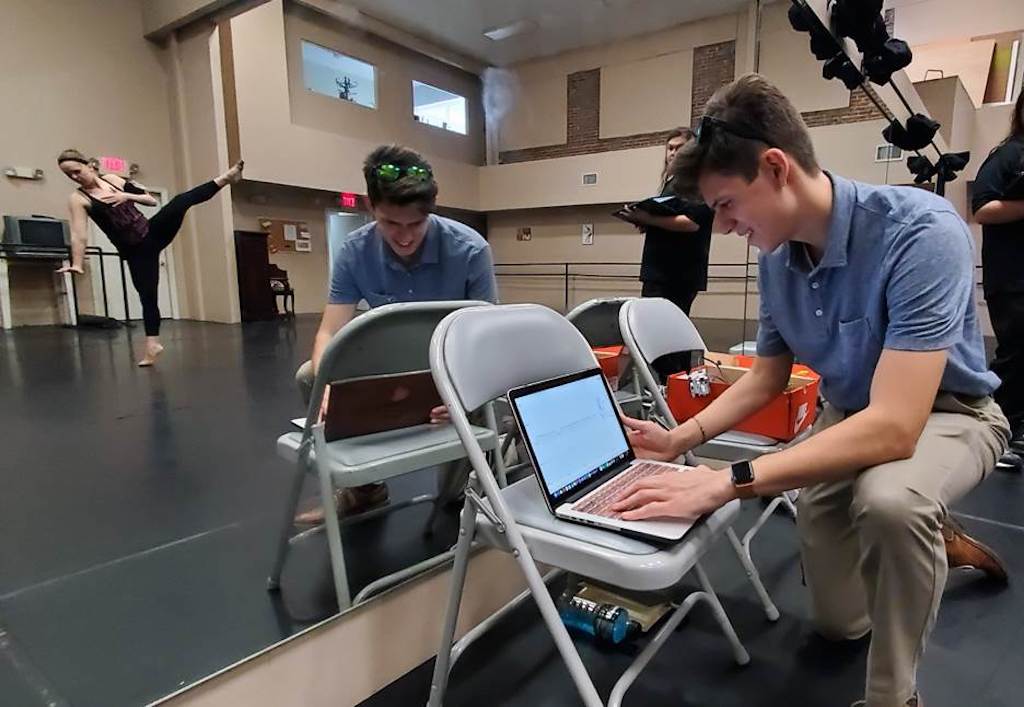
{"points": [[348, 200], [117, 165]]}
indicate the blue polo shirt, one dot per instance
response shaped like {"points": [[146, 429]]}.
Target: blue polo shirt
{"points": [[454, 264], [897, 273]]}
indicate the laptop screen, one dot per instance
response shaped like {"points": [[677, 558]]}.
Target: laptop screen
{"points": [[573, 430]]}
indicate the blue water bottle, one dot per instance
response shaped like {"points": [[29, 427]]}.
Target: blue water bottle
{"points": [[604, 622]]}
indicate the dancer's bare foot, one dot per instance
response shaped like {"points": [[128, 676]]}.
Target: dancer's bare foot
{"points": [[232, 176], [153, 352]]}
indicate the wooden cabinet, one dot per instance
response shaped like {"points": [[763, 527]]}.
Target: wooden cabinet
{"points": [[255, 296]]}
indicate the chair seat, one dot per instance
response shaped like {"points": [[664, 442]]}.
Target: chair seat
{"points": [[379, 456], [736, 446], [603, 555]]}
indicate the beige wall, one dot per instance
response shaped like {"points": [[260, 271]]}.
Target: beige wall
{"points": [[160, 17], [949, 103], [623, 175], [787, 61], [556, 239], [658, 101], [970, 60], [663, 83], [397, 67], [205, 257], [104, 97], [307, 272], [278, 150], [538, 113], [926, 21]]}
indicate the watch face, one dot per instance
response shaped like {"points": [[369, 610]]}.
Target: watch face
{"points": [[742, 473]]}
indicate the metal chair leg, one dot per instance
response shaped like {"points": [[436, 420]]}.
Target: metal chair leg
{"points": [[738, 651], [274, 580], [743, 553], [633, 671], [467, 528], [558, 631], [487, 624], [334, 544]]}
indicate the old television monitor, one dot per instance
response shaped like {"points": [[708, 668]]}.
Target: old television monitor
{"points": [[36, 232]]}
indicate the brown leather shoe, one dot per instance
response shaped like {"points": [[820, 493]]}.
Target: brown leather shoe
{"points": [[348, 502], [963, 551]]}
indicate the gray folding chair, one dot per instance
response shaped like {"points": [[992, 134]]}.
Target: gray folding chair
{"points": [[598, 321], [477, 355], [390, 339], [653, 327]]}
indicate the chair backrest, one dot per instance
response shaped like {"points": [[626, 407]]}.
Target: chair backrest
{"points": [[598, 320], [477, 355], [652, 327], [277, 273], [394, 338]]}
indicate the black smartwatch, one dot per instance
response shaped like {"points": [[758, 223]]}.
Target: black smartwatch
{"points": [[743, 479]]}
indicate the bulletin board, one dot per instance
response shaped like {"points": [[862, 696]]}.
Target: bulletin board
{"points": [[287, 236]]}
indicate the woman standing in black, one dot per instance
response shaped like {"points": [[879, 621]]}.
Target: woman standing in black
{"points": [[110, 201], [998, 205], [676, 248]]}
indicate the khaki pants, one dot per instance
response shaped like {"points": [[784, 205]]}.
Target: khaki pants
{"points": [[451, 482], [872, 550]]}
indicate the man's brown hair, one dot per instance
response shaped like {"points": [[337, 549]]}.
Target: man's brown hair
{"points": [[406, 189], [741, 121]]}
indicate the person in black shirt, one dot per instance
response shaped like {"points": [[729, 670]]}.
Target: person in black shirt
{"points": [[676, 248], [998, 205], [109, 200]]}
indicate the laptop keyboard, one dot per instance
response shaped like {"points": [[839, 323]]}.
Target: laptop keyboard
{"points": [[599, 502]]}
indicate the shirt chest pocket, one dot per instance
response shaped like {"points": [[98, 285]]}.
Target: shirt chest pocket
{"points": [[858, 346]]}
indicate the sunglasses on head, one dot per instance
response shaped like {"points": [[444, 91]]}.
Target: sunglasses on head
{"points": [[709, 125], [388, 172]]}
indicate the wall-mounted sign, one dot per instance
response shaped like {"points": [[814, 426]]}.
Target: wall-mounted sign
{"points": [[117, 165]]}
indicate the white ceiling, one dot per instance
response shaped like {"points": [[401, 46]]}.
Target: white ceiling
{"points": [[561, 25]]}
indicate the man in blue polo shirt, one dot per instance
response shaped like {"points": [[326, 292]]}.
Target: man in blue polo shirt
{"points": [[873, 287], [407, 254]]}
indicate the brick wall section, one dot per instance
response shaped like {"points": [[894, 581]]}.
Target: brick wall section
{"points": [[714, 64], [583, 103], [549, 152], [859, 110]]}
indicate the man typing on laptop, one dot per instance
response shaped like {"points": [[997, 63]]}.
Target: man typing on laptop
{"points": [[407, 254], [583, 460], [873, 287]]}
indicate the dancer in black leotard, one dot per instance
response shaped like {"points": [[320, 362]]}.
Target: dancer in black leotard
{"points": [[110, 201]]}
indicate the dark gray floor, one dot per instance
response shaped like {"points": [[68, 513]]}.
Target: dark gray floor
{"points": [[974, 658], [139, 510]]}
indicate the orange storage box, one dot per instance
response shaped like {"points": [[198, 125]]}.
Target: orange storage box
{"points": [[789, 414], [612, 360]]}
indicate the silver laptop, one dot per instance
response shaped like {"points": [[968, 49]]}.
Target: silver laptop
{"points": [[579, 448]]}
